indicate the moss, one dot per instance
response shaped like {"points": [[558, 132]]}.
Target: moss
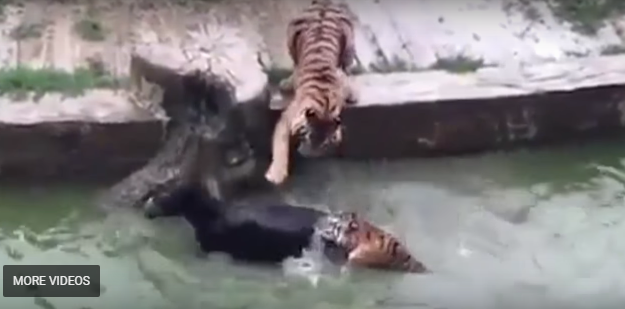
{"points": [[20, 81], [458, 64], [587, 16], [90, 29]]}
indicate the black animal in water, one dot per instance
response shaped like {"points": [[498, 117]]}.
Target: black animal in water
{"points": [[266, 233]]}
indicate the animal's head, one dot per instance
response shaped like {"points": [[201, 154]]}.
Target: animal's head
{"points": [[339, 227], [236, 156], [319, 132], [214, 116]]}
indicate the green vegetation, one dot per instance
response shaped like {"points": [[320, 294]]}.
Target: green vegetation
{"points": [[90, 29], [458, 64], [20, 81], [587, 16]]}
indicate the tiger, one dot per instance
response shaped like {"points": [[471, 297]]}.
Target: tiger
{"points": [[366, 244], [324, 29], [321, 45]]}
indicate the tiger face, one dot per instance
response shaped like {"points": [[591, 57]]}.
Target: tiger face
{"points": [[318, 133], [367, 245], [337, 228]]}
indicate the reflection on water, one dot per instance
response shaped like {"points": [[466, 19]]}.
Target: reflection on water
{"points": [[522, 230]]}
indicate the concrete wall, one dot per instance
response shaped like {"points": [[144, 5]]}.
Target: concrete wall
{"points": [[527, 98]]}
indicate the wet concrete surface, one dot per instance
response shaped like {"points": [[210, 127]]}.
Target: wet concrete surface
{"points": [[520, 230]]}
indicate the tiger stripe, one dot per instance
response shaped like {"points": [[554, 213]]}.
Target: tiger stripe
{"points": [[367, 245], [321, 44], [323, 29]]}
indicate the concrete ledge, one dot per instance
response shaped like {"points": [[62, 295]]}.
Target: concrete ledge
{"points": [[439, 113], [498, 82], [464, 126], [402, 115], [95, 136], [75, 150], [107, 134]]}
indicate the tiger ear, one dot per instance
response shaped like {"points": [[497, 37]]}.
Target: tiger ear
{"points": [[353, 225]]}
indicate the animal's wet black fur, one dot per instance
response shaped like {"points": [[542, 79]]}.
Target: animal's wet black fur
{"points": [[267, 233]]}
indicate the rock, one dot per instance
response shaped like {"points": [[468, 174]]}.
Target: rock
{"points": [[209, 48], [212, 92]]}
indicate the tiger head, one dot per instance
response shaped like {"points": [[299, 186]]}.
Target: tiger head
{"points": [[338, 227], [318, 132]]}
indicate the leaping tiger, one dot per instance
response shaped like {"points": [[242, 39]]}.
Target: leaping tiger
{"points": [[321, 45], [367, 245]]}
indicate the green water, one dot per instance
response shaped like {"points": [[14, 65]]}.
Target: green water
{"points": [[524, 230]]}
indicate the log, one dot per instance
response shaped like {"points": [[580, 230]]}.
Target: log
{"points": [[212, 96]]}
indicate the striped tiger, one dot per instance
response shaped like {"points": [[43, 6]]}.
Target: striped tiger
{"points": [[367, 245], [321, 44], [323, 30]]}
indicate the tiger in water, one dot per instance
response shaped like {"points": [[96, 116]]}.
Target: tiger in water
{"points": [[321, 44], [367, 245]]}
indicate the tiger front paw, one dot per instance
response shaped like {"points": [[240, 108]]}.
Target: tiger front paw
{"points": [[276, 175]]}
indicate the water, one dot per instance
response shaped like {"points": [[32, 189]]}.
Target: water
{"points": [[524, 230]]}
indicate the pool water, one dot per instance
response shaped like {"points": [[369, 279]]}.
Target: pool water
{"points": [[529, 229]]}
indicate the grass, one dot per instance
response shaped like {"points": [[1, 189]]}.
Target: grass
{"points": [[459, 64], [587, 16], [90, 29], [21, 81]]}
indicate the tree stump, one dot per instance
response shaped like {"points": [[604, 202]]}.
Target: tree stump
{"points": [[212, 95]]}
